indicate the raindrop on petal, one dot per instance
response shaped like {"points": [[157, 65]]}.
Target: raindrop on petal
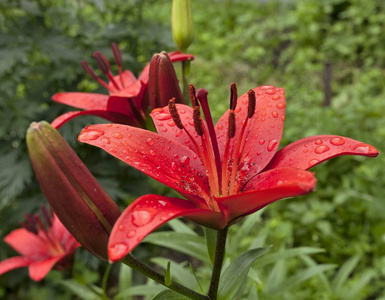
{"points": [[162, 116], [321, 149], [337, 141], [117, 135], [90, 135], [318, 142], [131, 233], [105, 140], [117, 251], [272, 144], [141, 218], [150, 141], [312, 162]]}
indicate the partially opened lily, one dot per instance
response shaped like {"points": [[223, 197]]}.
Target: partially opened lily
{"points": [[125, 103], [225, 172], [42, 246]]}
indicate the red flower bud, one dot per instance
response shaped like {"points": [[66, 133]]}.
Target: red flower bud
{"points": [[78, 200]]}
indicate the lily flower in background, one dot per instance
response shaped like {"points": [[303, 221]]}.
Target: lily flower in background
{"points": [[75, 196], [225, 172], [44, 243], [126, 102]]}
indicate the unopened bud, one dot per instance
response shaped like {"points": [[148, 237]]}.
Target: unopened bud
{"points": [[182, 24]]}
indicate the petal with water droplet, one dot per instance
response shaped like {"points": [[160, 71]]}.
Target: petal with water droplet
{"points": [[320, 148]]}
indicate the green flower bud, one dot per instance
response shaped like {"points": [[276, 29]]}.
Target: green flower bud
{"points": [[182, 24]]}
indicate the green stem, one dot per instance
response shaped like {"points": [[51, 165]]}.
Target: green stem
{"points": [[218, 261], [105, 280], [185, 71], [146, 270]]}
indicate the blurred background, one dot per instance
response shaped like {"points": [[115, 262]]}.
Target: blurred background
{"points": [[328, 55]]}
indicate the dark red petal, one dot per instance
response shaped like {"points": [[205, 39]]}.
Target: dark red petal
{"points": [[166, 127], [129, 91], [263, 133], [128, 79], [266, 188], [146, 214], [14, 263], [80, 100], [110, 116], [27, 244], [39, 269], [165, 160], [309, 152], [174, 56]]}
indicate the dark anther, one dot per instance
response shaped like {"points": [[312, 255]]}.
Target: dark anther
{"points": [[251, 108], [233, 96], [89, 70], [47, 215], [198, 121], [117, 54], [232, 126], [193, 98], [174, 113], [102, 61]]}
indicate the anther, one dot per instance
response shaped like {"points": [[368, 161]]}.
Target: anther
{"points": [[174, 113], [47, 215], [31, 224], [198, 121], [233, 96], [232, 126], [117, 54], [251, 108], [102, 61], [193, 98], [89, 70]]}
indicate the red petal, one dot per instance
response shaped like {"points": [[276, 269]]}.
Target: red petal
{"points": [[174, 56], [27, 244], [309, 152], [128, 79], [165, 125], [60, 233], [165, 160], [266, 188], [129, 91], [110, 116], [39, 269], [86, 101], [263, 133], [14, 263], [146, 214]]}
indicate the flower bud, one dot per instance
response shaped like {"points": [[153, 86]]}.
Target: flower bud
{"points": [[163, 84], [78, 200], [182, 24]]}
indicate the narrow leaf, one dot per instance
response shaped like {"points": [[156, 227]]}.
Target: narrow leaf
{"points": [[343, 273], [167, 278], [211, 240], [169, 295]]}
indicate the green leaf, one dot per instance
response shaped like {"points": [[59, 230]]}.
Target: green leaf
{"points": [[169, 295], [211, 240], [125, 279], [167, 278], [86, 292], [189, 244], [179, 226], [236, 273], [343, 274], [358, 286], [140, 290]]}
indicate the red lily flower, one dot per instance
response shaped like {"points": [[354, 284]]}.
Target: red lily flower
{"points": [[225, 172], [125, 103], [42, 247]]}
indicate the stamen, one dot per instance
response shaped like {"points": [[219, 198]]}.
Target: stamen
{"points": [[30, 225], [232, 126], [118, 60], [47, 215], [90, 71], [192, 94], [201, 95], [174, 113], [197, 120], [233, 96], [105, 67], [251, 107]]}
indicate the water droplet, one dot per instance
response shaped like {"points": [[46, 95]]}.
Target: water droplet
{"points": [[129, 135], [164, 129], [337, 141], [182, 111], [191, 122], [318, 142], [109, 125], [152, 152], [272, 144], [283, 118], [312, 162], [162, 116], [163, 203], [281, 105], [179, 133], [270, 92], [274, 114], [117, 135], [117, 251], [237, 109], [362, 148], [90, 135], [321, 149], [105, 140], [185, 160], [261, 141], [280, 182], [265, 87], [171, 123], [141, 217], [131, 233], [122, 227], [150, 141], [171, 214], [220, 127], [276, 97], [245, 101], [305, 150], [173, 166]]}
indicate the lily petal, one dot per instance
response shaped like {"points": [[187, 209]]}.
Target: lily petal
{"points": [[39, 269], [129, 91], [166, 127], [266, 188], [81, 100], [146, 214], [311, 151], [165, 160], [128, 79], [14, 263], [263, 133], [27, 243]]}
